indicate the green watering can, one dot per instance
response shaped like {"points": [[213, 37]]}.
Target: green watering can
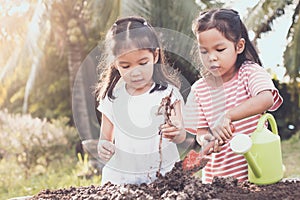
{"points": [[262, 152]]}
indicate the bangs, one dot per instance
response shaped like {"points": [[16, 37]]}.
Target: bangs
{"points": [[134, 39], [128, 45]]}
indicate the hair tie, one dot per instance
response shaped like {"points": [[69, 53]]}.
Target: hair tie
{"points": [[145, 23]]}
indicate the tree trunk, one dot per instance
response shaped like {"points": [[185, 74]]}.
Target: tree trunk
{"points": [[79, 100]]}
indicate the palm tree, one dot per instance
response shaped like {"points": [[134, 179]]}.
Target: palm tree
{"points": [[292, 53], [292, 62], [260, 20], [73, 25], [30, 47]]}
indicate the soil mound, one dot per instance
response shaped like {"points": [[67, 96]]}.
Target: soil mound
{"points": [[179, 184]]}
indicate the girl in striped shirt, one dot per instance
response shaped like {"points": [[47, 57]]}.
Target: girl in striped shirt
{"points": [[234, 90]]}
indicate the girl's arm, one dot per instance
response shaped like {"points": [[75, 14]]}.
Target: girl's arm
{"points": [[106, 129], [253, 106], [106, 148]]}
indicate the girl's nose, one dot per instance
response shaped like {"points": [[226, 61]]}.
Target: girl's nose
{"points": [[135, 71], [212, 57]]}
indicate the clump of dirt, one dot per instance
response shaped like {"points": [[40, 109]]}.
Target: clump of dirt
{"points": [[179, 184]]}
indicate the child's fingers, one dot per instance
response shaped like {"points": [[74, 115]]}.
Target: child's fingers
{"points": [[170, 135], [105, 150], [171, 132], [203, 140], [110, 147], [177, 109], [217, 135], [176, 116], [222, 135], [227, 134], [105, 155], [167, 136], [228, 131], [216, 145], [167, 128]]}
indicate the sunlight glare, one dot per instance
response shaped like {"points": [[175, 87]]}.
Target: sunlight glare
{"points": [[22, 8]]}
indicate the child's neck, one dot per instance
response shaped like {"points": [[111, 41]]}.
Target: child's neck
{"points": [[139, 91], [228, 76]]}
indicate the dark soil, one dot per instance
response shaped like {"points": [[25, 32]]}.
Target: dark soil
{"points": [[179, 184]]}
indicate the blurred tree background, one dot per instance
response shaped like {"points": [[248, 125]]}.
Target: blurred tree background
{"points": [[44, 43]]}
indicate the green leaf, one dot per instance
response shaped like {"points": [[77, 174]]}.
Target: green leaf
{"points": [[292, 52]]}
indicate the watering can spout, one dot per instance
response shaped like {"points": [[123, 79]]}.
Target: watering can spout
{"points": [[241, 144], [253, 164]]}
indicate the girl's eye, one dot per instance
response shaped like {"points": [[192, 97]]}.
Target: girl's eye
{"points": [[220, 50], [144, 63], [203, 52], [124, 67]]}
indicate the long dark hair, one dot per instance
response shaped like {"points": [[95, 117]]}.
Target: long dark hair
{"points": [[228, 22], [126, 34]]}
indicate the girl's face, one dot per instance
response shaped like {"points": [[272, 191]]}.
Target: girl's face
{"points": [[136, 68], [218, 54]]}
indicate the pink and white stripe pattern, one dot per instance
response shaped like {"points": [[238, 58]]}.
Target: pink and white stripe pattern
{"points": [[206, 103]]}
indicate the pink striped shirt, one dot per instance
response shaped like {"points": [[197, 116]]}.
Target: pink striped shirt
{"points": [[206, 103]]}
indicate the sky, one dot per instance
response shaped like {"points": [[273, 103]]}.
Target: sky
{"points": [[272, 44]]}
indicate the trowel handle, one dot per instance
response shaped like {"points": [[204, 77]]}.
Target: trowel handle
{"points": [[232, 128]]}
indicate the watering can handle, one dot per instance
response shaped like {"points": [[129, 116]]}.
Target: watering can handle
{"points": [[271, 119]]}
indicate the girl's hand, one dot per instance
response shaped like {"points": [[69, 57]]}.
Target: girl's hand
{"points": [[222, 129], [175, 132], [106, 150], [205, 139]]}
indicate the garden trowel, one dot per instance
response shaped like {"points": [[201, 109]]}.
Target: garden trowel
{"points": [[194, 161]]}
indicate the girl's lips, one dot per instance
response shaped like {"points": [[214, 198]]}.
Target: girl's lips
{"points": [[137, 80], [214, 67]]}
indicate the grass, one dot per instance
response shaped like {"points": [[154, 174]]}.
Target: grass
{"points": [[291, 156], [14, 183]]}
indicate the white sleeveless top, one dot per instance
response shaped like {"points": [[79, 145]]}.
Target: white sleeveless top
{"points": [[136, 136]]}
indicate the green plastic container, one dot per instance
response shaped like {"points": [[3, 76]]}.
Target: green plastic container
{"points": [[262, 152]]}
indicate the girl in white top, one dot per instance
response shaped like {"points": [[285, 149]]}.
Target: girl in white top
{"points": [[133, 83]]}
